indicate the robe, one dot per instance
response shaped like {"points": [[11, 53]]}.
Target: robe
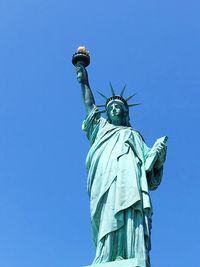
{"points": [[118, 187]]}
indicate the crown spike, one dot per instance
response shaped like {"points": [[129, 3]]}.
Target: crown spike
{"points": [[102, 111], [133, 105], [127, 99], [122, 92], [100, 106], [102, 95], [112, 90]]}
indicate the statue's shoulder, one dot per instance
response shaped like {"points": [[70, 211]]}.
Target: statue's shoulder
{"points": [[138, 134]]}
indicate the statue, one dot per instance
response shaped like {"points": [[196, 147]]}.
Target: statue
{"points": [[121, 172]]}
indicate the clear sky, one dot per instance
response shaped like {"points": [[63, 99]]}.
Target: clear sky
{"points": [[153, 47]]}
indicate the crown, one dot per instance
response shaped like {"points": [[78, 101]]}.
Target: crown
{"points": [[117, 97]]}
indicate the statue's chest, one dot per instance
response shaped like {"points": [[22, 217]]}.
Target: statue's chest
{"points": [[120, 132]]}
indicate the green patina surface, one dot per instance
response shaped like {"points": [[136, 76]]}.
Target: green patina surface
{"points": [[122, 170], [122, 263]]}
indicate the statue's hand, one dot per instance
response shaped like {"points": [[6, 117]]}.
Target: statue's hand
{"points": [[161, 150], [81, 74]]}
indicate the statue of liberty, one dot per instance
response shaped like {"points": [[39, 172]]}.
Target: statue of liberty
{"points": [[122, 170]]}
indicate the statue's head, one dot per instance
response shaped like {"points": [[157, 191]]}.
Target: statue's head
{"points": [[117, 112], [117, 108]]}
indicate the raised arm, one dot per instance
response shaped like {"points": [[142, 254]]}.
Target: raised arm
{"points": [[82, 78]]}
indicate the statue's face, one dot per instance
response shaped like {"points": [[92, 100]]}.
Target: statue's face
{"points": [[115, 112]]}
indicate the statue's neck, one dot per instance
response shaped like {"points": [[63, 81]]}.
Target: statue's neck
{"points": [[117, 122]]}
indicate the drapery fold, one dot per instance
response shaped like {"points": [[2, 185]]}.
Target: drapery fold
{"points": [[118, 189]]}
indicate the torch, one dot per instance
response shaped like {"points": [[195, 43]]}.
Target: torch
{"points": [[81, 57]]}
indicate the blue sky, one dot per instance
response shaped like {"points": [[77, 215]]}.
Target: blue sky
{"points": [[153, 47]]}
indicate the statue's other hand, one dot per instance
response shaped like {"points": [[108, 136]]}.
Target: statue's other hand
{"points": [[161, 150], [81, 73]]}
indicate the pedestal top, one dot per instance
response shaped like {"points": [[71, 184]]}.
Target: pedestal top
{"points": [[122, 263]]}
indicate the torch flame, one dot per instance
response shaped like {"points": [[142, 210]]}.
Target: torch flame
{"points": [[82, 50]]}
